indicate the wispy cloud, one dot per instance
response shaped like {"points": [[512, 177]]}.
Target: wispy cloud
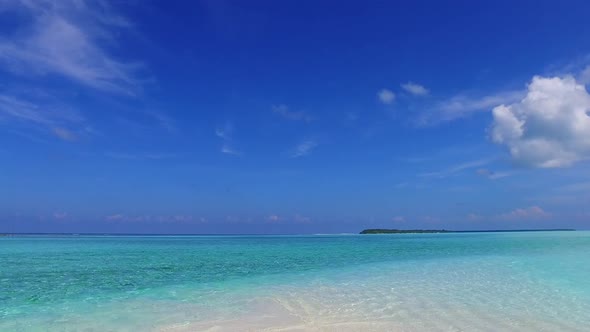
{"points": [[299, 219], [162, 120], [52, 118], [70, 40], [66, 38], [453, 170], [140, 156], [60, 215], [492, 175], [415, 89], [176, 219], [533, 212], [227, 149], [398, 219], [464, 105], [23, 110], [284, 111], [303, 149], [474, 217], [273, 219], [226, 134], [64, 134], [386, 96]]}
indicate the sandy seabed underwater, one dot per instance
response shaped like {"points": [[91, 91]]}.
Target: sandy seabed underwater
{"points": [[529, 281]]}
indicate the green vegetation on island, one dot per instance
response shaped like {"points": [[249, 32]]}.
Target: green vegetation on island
{"points": [[402, 231]]}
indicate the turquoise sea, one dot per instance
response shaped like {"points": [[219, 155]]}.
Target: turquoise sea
{"points": [[529, 281]]}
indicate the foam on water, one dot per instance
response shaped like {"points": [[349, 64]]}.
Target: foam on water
{"points": [[444, 282]]}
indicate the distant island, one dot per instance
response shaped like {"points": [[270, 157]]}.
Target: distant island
{"points": [[418, 231]]}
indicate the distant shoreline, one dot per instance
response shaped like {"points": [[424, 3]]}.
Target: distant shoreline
{"points": [[429, 231], [364, 232]]}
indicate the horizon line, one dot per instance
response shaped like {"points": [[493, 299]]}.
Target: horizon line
{"points": [[280, 234]]}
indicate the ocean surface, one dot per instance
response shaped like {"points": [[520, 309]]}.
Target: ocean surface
{"points": [[530, 281]]}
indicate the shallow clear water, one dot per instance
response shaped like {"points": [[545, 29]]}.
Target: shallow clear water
{"points": [[531, 281]]}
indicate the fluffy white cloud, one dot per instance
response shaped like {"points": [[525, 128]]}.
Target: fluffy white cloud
{"points": [[415, 89], [386, 96], [550, 127]]}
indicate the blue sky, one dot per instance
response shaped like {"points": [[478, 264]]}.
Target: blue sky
{"points": [[293, 116]]}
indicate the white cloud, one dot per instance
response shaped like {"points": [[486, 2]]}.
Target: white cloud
{"points": [[415, 89], [398, 219], [550, 127], [304, 148], [533, 212], [64, 38], [284, 111], [461, 106], [386, 96]]}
